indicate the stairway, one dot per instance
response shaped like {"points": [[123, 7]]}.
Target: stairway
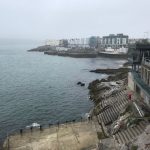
{"points": [[115, 105], [130, 133]]}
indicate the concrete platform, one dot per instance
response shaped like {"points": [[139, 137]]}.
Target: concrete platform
{"points": [[73, 136]]}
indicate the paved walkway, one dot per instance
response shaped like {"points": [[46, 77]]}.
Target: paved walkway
{"points": [[74, 136]]}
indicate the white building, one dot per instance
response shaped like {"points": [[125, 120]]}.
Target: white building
{"points": [[52, 42], [113, 41], [78, 42]]}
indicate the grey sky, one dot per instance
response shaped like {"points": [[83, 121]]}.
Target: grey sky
{"points": [[55, 19]]}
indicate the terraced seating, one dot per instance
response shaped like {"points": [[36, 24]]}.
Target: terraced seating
{"points": [[130, 133], [116, 104]]}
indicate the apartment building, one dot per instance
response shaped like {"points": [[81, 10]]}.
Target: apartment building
{"points": [[78, 42], [113, 41], [139, 77]]}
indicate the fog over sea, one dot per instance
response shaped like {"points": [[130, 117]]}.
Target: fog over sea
{"points": [[40, 88]]}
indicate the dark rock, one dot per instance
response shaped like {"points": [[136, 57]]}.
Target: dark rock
{"points": [[110, 71], [82, 84], [79, 83]]}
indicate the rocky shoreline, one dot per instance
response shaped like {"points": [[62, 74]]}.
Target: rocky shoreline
{"points": [[99, 88], [75, 52], [110, 71], [75, 55]]}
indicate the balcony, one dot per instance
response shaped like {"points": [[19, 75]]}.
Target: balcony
{"points": [[146, 61], [141, 83]]}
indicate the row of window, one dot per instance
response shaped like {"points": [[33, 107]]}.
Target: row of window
{"points": [[114, 40]]}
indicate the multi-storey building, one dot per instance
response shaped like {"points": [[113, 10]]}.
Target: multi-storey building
{"points": [[78, 42], [113, 41], [139, 77]]}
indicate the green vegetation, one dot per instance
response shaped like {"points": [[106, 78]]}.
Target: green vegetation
{"points": [[134, 147], [133, 121], [100, 135]]}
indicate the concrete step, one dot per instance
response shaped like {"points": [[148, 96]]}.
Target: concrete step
{"points": [[109, 115], [121, 138], [114, 114], [106, 117], [101, 118], [139, 128], [125, 137], [131, 130], [136, 130], [127, 134], [115, 107], [122, 100], [130, 133]]}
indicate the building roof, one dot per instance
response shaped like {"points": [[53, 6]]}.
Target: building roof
{"points": [[143, 46]]}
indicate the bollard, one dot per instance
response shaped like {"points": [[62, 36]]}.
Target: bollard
{"points": [[58, 124], [31, 128], [40, 127], [21, 131], [50, 125]]}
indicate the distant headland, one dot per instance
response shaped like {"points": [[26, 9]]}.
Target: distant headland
{"points": [[75, 52]]}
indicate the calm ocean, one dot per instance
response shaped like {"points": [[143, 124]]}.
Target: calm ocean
{"points": [[39, 88]]}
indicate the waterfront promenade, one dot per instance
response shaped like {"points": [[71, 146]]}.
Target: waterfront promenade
{"points": [[70, 136]]}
